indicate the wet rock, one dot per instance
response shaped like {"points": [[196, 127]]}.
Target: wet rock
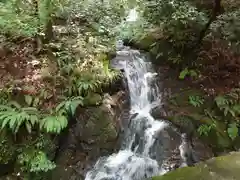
{"points": [[167, 143], [172, 110], [221, 168], [94, 134], [92, 99]]}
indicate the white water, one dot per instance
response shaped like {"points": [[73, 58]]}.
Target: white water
{"points": [[133, 161], [132, 16]]}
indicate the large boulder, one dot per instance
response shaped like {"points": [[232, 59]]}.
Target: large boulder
{"points": [[220, 168], [95, 133]]}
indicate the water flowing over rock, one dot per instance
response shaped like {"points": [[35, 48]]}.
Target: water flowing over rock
{"points": [[94, 133], [149, 146]]}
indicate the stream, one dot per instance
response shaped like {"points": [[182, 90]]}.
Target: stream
{"points": [[149, 146]]}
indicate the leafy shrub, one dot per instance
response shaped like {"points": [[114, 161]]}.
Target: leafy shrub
{"points": [[35, 161], [180, 21], [196, 101]]}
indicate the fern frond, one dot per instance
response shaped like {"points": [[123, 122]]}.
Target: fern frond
{"points": [[5, 118], [236, 108], [60, 106], [63, 121], [21, 119], [33, 119], [221, 101], [31, 110], [74, 104], [53, 124]]}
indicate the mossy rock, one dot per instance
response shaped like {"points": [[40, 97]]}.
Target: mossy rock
{"points": [[97, 125], [92, 99], [220, 168], [189, 118], [159, 48]]}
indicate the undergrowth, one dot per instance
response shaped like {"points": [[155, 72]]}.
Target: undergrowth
{"points": [[45, 82]]}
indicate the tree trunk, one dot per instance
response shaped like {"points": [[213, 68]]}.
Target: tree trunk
{"points": [[38, 39], [49, 31], [217, 9]]}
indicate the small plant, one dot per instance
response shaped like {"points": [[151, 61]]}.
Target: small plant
{"points": [[204, 129], [232, 131], [229, 104], [35, 161], [81, 86], [32, 101], [54, 123], [186, 71], [14, 116], [69, 105], [196, 101]]}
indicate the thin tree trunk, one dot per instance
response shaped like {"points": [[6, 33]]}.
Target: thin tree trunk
{"points": [[38, 39], [49, 35], [217, 9], [48, 26]]}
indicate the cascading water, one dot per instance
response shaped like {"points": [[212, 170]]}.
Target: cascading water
{"points": [[133, 161], [146, 142]]}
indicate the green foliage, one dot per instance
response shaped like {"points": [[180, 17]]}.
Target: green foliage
{"points": [[227, 27], [35, 161], [69, 106], [15, 21], [186, 71], [205, 129], [14, 117], [54, 124], [177, 19], [229, 104], [196, 101], [103, 16], [232, 131], [7, 148], [133, 30], [18, 17], [82, 85], [79, 73]]}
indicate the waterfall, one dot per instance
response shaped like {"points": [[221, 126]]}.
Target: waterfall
{"points": [[132, 16], [133, 161]]}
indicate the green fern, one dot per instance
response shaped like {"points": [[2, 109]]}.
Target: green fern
{"points": [[228, 104], [81, 86], [69, 106], [232, 131], [14, 117], [196, 101], [204, 129], [53, 124], [35, 161], [221, 101], [186, 71], [85, 86]]}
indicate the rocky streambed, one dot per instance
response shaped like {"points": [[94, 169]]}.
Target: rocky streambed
{"points": [[98, 129]]}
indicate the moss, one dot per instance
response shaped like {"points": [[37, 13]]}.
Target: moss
{"points": [[99, 127], [92, 99], [159, 48], [190, 118], [220, 168], [7, 148]]}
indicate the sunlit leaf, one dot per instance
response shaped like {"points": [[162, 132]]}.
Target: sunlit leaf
{"points": [[232, 131]]}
